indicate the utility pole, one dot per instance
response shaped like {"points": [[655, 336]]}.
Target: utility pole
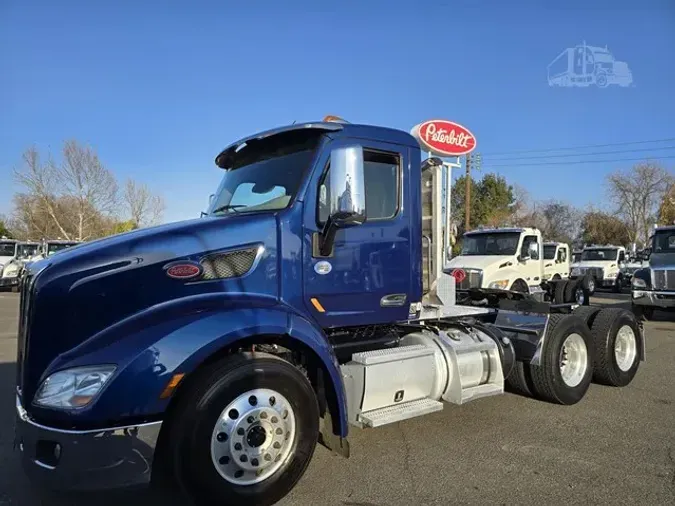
{"points": [[467, 193]]}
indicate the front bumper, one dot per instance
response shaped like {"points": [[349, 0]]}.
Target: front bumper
{"points": [[652, 298], [111, 458], [5, 282]]}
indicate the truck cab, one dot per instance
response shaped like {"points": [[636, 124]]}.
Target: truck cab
{"points": [[556, 261], [653, 285], [603, 266], [7, 251], [10, 275], [502, 258]]}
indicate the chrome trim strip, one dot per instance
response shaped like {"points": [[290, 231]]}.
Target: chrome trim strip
{"points": [[23, 415]]}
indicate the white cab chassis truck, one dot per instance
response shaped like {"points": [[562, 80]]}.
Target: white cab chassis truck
{"points": [[511, 259], [602, 266], [556, 261]]}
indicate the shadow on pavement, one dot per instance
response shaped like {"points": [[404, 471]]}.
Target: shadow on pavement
{"points": [[17, 490]]}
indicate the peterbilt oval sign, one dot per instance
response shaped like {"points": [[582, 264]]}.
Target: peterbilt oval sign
{"points": [[183, 270], [444, 138], [459, 275]]}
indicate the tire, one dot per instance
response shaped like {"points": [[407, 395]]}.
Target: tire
{"points": [[644, 313], [571, 288], [559, 292], [618, 284], [564, 332], [587, 314], [590, 285], [520, 286], [197, 451], [520, 380], [615, 365]]}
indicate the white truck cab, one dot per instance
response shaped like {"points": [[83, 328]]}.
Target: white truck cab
{"points": [[556, 260], [603, 265], [11, 271], [7, 252], [502, 258]]}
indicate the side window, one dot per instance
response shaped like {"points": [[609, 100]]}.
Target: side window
{"points": [[382, 187], [622, 256], [562, 255], [530, 247]]}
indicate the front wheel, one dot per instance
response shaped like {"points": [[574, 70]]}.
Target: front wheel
{"points": [[244, 432]]}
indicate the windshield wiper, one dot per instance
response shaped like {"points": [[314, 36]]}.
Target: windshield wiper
{"points": [[228, 207]]}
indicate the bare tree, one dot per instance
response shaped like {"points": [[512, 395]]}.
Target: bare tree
{"points": [[143, 207], [636, 194]]}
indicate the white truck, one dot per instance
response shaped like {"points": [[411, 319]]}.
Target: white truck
{"points": [[556, 261], [603, 266], [10, 274], [7, 252], [511, 259]]}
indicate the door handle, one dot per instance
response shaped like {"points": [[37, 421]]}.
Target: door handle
{"points": [[393, 300]]}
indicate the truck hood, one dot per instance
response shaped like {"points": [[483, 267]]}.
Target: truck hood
{"points": [[5, 260], [479, 261], [662, 261], [78, 293], [596, 263]]}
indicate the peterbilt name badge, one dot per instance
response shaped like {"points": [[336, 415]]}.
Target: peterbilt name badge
{"points": [[323, 267], [183, 270]]}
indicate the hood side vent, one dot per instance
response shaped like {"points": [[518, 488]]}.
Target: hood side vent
{"points": [[231, 264]]}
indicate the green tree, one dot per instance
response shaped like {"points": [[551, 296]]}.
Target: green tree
{"points": [[602, 228], [492, 201]]}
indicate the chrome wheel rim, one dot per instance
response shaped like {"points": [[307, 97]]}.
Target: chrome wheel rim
{"points": [[573, 360], [253, 437], [625, 348], [591, 285], [580, 297]]}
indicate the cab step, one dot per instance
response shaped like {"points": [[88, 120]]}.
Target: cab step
{"points": [[399, 412]]}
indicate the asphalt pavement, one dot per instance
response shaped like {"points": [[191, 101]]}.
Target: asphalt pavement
{"points": [[617, 446]]}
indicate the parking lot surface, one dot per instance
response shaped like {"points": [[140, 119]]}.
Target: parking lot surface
{"points": [[617, 446]]}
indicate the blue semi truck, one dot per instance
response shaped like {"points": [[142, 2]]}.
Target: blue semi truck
{"points": [[210, 356]]}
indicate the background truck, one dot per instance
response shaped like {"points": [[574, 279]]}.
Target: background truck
{"points": [[511, 259], [209, 356], [556, 261], [653, 286], [585, 65], [10, 275], [7, 252], [603, 266]]}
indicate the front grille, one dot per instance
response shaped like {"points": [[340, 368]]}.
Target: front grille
{"points": [[664, 279], [24, 324], [596, 272], [473, 279], [232, 264]]}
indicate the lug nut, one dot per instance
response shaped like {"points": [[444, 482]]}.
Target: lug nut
{"points": [[277, 445], [221, 437], [275, 419], [268, 457], [254, 462], [279, 431], [253, 400], [250, 419], [237, 447], [263, 415], [243, 458]]}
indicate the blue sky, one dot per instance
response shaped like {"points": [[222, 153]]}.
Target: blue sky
{"points": [[158, 88]]}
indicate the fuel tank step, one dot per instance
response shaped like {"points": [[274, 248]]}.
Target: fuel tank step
{"points": [[399, 412]]}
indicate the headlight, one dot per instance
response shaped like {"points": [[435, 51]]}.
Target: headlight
{"points": [[639, 283], [501, 284], [11, 271], [73, 388]]}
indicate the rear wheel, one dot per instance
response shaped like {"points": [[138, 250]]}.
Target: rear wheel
{"points": [[587, 314], [559, 292], [615, 347], [244, 432], [566, 369], [520, 379]]}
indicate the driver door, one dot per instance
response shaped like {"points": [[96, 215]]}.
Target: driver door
{"points": [[531, 268]]}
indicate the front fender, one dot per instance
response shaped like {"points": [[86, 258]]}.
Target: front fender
{"points": [[148, 356], [510, 274]]}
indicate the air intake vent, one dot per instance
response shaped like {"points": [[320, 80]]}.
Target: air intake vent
{"points": [[228, 265]]}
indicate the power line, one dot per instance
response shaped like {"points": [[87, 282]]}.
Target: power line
{"points": [[576, 162], [548, 150], [583, 154]]}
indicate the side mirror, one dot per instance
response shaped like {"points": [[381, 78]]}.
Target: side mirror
{"points": [[347, 206], [532, 250], [646, 253]]}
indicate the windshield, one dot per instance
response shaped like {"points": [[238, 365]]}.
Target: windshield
{"points": [[56, 247], [497, 243], [600, 254], [576, 257], [664, 242], [266, 175], [7, 249], [26, 250], [549, 252]]}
